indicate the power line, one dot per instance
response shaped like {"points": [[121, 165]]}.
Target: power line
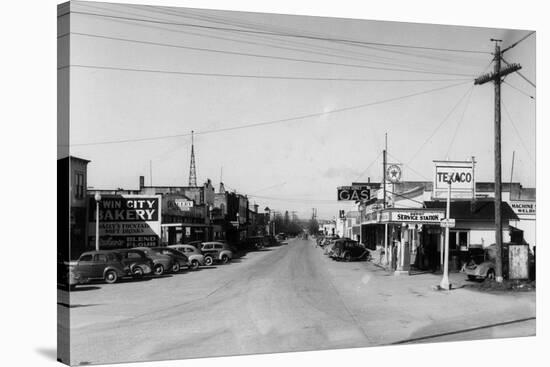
{"points": [[304, 47], [439, 126], [285, 34], [224, 20], [519, 90], [406, 197], [517, 133], [517, 42], [201, 49], [460, 122], [272, 122], [369, 166], [251, 76], [409, 167], [520, 74]]}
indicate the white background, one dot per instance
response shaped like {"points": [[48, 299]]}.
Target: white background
{"points": [[28, 294]]}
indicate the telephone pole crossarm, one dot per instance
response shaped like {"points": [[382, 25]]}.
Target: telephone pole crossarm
{"points": [[508, 69]]}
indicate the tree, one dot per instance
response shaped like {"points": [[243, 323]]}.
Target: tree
{"points": [[313, 226]]}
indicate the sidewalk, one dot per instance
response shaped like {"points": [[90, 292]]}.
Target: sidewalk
{"points": [[396, 308]]}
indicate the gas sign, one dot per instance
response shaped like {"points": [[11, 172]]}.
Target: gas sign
{"points": [[353, 193]]}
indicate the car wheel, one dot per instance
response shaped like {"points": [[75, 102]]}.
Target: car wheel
{"points": [[137, 272], [347, 257], [490, 274], [208, 260], [159, 269], [176, 267], [194, 265], [225, 259], [111, 277]]}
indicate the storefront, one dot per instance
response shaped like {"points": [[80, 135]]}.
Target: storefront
{"points": [[183, 221], [413, 236]]}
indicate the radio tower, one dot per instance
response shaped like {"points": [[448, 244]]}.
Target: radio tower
{"points": [[192, 169]]}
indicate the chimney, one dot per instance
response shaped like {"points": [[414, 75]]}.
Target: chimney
{"points": [[141, 182]]}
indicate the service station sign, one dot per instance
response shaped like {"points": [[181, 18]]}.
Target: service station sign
{"points": [[353, 193], [461, 176]]}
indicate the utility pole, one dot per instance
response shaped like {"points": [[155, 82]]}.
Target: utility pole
{"points": [[496, 76], [384, 162]]}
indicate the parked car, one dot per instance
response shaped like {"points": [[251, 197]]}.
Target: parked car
{"points": [[328, 250], [161, 262], [327, 240], [196, 258], [252, 243], [281, 237], [103, 264], [348, 250], [137, 261], [216, 251], [481, 264], [181, 260], [270, 240]]}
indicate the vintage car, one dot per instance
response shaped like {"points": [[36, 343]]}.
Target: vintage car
{"points": [[216, 251], [481, 264], [106, 265], [348, 250], [196, 258], [252, 243], [181, 260], [137, 261], [161, 262]]}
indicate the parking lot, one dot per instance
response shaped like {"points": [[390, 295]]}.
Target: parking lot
{"points": [[285, 298]]}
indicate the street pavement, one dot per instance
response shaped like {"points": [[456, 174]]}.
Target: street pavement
{"points": [[285, 298]]}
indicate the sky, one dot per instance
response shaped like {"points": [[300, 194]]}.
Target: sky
{"points": [[315, 96]]}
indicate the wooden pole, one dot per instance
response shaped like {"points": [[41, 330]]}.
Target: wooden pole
{"points": [[498, 169]]}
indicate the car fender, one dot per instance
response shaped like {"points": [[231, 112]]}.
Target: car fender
{"points": [[118, 271]]}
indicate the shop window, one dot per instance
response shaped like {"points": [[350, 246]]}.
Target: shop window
{"points": [[79, 185], [458, 239]]}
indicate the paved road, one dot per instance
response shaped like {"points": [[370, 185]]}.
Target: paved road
{"points": [[286, 298], [279, 299]]}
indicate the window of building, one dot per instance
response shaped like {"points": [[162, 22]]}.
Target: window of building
{"points": [[79, 185], [458, 239]]}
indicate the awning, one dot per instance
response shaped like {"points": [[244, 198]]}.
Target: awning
{"points": [[478, 210]]}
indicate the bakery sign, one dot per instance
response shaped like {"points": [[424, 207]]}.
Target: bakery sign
{"points": [[461, 176], [125, 220]]}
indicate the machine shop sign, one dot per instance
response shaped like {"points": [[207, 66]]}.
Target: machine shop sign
{"points": [[461, 176], [524, 207], [353, 193]]}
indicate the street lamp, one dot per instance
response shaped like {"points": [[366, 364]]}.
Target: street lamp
{"points": [[267, 213], [445, 284], [97, 198]]}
